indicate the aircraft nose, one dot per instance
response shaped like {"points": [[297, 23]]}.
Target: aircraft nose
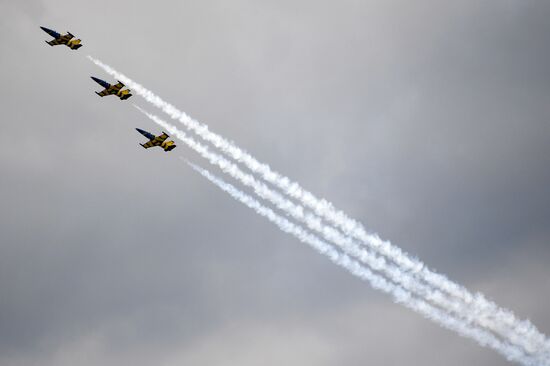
{"points": [[100, 82]]}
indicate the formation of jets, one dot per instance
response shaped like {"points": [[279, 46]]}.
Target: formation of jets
{"points": [[110, 89]]}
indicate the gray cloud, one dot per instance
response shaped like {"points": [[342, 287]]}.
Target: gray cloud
{"points": [[426, 121]]}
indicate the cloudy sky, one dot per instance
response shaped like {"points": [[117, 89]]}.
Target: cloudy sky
{"points": [[428, 122]]}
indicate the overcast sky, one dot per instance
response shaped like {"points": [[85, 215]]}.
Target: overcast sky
{"points": [[427, 121]]}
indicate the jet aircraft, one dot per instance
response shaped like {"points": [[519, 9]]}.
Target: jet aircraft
{"points": [[66, 39], [112, 89], [157, 140]]}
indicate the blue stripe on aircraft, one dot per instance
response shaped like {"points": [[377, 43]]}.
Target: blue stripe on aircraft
{"points": [[150, 136], [52, 33], [101, 82]]}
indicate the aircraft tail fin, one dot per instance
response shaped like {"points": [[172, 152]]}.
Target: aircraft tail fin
{"points": [[169, 145]]}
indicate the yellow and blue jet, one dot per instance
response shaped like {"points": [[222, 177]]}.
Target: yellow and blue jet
{"points": [[157, 140], [66, 39], [112, 89]]}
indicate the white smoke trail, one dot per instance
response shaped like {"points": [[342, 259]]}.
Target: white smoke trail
{"points": [[400, 295], [394, 273], [519, 332], [297, 212]]}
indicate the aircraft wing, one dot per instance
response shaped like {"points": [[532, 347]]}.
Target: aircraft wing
{"points": [[104, 92], [161, 138], [148, 144], [118, 86], [66, 37], [55, 42]]}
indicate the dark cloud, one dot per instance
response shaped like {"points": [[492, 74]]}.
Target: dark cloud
{"points": [[426, 121]]}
